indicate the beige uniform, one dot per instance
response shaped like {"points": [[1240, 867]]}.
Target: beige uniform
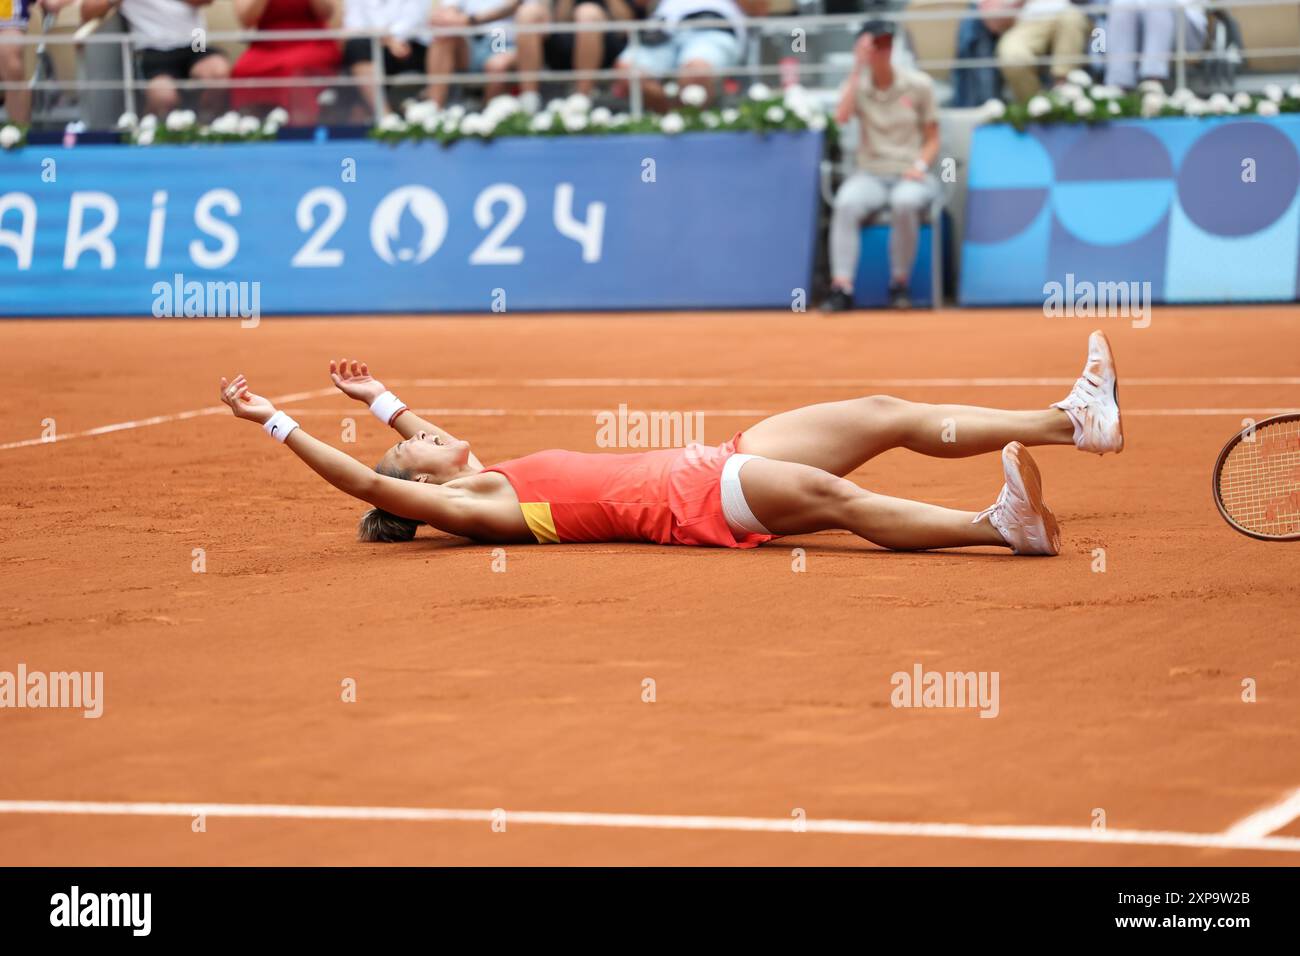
{"points": [[892, 131], [893, 121]]}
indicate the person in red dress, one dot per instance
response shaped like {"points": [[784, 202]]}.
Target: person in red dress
{"points": [[285, 58], [792, 481]]}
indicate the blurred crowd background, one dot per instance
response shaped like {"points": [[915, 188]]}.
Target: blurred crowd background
{"points": [[973, 51]]}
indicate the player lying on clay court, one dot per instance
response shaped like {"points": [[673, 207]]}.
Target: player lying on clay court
{"points": [[782, 476]]}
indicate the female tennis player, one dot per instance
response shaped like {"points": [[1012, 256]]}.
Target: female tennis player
{"points": [[782, 476]]}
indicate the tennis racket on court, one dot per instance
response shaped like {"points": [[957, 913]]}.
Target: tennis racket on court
{"points": [[1257, 479]]}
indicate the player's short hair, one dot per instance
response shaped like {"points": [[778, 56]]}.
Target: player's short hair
{"points": [[380, 525]]}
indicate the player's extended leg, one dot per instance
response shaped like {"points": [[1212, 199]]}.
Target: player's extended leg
{"points": [[791, 498], [839, 436]]}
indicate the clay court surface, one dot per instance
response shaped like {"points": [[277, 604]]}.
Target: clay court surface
{"points": [[522, 690]]}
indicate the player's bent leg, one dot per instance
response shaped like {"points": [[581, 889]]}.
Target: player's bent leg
{"points": [[790, 498], [840, 436]]}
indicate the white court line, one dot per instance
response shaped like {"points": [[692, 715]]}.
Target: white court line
{"points": [[742, 412], [157, 420], [644, 821], [718, 413], [1269, 819], [818, 383]]}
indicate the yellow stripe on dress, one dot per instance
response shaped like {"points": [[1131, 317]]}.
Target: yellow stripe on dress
{"points": [[537, 515]]}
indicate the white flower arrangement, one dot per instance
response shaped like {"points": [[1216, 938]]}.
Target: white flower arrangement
{"points": [[10, 136], [794, 109], [577, 103], [993, 109], [182, 126], [1148, 101], [178, 121], [760, 91], [694, 95], [1079, 78]]}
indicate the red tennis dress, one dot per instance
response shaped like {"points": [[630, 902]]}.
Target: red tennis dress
{"points": [[668, 496]]}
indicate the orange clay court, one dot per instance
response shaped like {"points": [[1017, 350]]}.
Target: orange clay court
{"points": [[771, 737]]}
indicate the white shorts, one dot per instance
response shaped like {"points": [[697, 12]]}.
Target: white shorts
{"points": [[735, 509], [719, 48]]}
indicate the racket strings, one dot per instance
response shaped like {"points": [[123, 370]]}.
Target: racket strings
{"points": [[1259, 483]]}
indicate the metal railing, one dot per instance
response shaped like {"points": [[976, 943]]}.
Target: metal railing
{"points": [[378, 82]]}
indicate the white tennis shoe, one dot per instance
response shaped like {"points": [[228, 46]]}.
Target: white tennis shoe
{"points": [[1019, 514], [1093, 403]]}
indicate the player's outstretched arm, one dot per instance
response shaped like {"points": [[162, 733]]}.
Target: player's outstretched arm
{"points": [[446, 509], [354, 380]]}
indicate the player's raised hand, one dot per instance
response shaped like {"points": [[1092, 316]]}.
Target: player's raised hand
{"points": [[354, 380], [244, 403]]}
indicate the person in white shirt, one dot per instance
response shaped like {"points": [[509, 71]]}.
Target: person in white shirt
{"points": [[695, 57], [405, 25], [1043, 26], [166, 34], [496, 50]]}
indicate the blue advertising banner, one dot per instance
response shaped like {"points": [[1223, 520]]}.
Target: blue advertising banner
{"points": [[1177, 210], [717, 220]]}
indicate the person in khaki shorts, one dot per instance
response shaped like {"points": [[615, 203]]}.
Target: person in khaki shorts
{"points": [[898, 143], [1043, 26]]}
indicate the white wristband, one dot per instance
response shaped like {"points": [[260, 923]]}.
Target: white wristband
{"points": [[279, 425], [386, 407]]}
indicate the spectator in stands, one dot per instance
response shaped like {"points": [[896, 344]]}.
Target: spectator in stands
{"points": [[14, 18], [695, 57], [285, 58], [977, 39], [898, 142], [493, 52], [1042, 27], [164, 34], [590, 50], [405, 24], [1132, 25]]}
